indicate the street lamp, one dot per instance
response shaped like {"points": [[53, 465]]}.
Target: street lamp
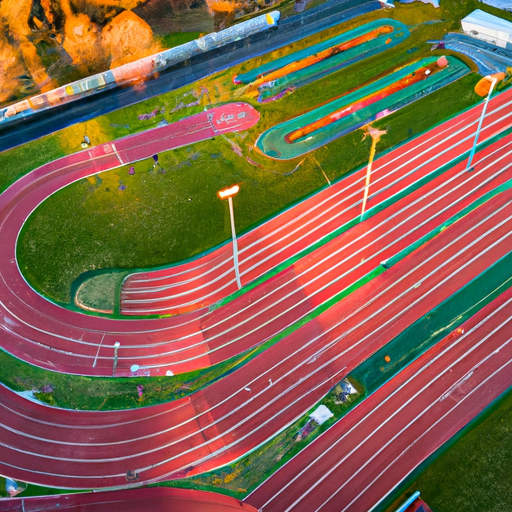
{"points": [[493, 79], [116, 348], [375, 134], [229, 193]]}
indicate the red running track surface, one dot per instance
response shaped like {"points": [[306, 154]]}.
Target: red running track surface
{"points": [[87, 449], [363, 457], [203, 281], [49, 336], [137, 500]]}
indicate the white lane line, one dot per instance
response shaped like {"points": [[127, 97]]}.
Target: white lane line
{"points": [[58, 171], [214, 292], [97, 353], [430, 147], [439, 187], [158, 478], [214, 325], [455, 405], [260, 326], [117, 154], [468, 395], [142, 357]]}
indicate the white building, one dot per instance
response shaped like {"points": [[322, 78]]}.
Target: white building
{"points": [[506, 5], [489, 28]]}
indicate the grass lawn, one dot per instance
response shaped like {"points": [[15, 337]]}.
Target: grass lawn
{"points": [[162, 218], [177, 38], [104, 393]]}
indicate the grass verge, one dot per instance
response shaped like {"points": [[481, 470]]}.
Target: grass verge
{"points": [[104, 393]]}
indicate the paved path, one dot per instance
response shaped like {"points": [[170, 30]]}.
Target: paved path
{"points": [[185, 73]]}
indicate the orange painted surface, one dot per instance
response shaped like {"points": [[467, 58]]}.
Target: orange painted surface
{"points": [[417, 76], [322, 55]]}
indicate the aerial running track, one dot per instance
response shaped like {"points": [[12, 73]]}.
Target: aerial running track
{"points": [[78, 449], [431, 230], [49, 336], [215, 426]]}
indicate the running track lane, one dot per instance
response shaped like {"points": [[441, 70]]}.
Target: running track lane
{"points": [[136, 500], [356, 463], [203, 281], [188, 343], [88, 449]]}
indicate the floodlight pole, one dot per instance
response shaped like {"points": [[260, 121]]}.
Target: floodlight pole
{"points": [[228, 194], [368, 176], [473, 149], [235, 244], [116, 347]]}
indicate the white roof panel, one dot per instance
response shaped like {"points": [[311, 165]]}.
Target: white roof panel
{"points": [[486, 20]]}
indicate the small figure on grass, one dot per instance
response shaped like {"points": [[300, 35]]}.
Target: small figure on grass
{"points": [[86, 142]]}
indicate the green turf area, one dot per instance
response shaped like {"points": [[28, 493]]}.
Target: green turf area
{"points": [[472, 472], [177, 38], [153, 223], [104, 393]]}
